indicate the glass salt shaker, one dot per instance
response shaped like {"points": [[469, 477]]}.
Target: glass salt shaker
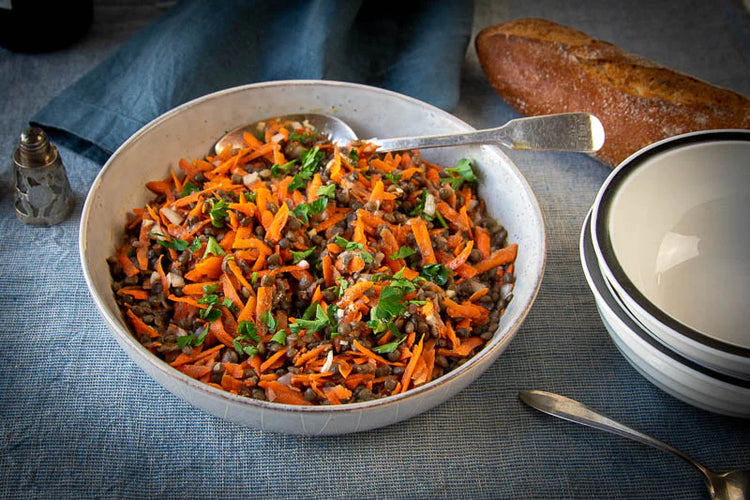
{"points": [[42, 192]]}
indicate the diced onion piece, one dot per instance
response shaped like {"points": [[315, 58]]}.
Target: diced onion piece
{"points": [[329, 362], [430, 205], [250, 179], [173, 216], [175, 280]]}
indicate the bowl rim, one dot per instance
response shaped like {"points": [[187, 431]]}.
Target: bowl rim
{"points": [[601, 288], [493, 348], [604, 247]]}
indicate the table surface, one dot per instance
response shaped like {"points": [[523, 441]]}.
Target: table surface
{"points": [[79, 419]]}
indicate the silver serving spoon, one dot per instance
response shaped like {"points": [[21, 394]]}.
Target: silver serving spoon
{"points": [[575, 132], [732, 485]]}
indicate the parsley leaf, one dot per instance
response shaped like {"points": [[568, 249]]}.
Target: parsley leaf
{"points": [[300, 180], [389, 304], [304, 210], [343, 285], [347, 245], [248, 330], [297, 137], [460, 173], [175, 244], [311, 325], [367, 257], [218, 211], [279, 170], [195, 245], [209, 313], [298, 256], [213, 247], [279, 337], [241, 348], [437, 273], [389, 347], [188, 188], [269, 321], [393, 177], [328, 191], [354, 155], [311, 160], [402, 253], [192, 339]]}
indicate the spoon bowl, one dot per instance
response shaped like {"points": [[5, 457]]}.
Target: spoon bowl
{"points": [[732, 485], [573, 132], [334, 128]]}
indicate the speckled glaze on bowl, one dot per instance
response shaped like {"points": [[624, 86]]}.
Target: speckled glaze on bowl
{"points": [[190, 130]]}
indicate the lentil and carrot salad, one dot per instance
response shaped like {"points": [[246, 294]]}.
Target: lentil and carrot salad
{"points": [[297, 271]]}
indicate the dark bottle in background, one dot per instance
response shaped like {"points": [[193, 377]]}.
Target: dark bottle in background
{"points": [[32, 26]]}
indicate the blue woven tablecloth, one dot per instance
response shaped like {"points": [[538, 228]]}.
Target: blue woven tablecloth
{"points": [[79, 419]]}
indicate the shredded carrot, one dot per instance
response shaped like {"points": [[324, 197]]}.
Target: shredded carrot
{"points": [[419, 228], [498, 258]]}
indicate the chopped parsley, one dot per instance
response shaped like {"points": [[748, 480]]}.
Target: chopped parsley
{"points": [[174, 243], [347, 245], [279, 170], [212, 313], [298, 256], [309, 323], [389, 347], [188, 188], [213, 247], [305, 210], [461, 172], [246, 332], [393, 177], [402, 253], [437, 273], [279, 337], [193, 339], [311, 160], [218, 211], [329, 191]]}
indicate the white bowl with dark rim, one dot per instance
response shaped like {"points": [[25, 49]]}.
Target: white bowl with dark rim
{"points": [[190, 130], [668, 370], [671, 235]]}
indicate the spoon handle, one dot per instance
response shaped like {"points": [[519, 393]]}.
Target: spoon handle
{"points": [[569, 409], [577, 132]]}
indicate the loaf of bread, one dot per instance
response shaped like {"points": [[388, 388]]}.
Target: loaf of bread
{"points": [[540, 67]]}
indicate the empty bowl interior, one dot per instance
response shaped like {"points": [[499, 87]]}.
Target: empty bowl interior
{"points": [[678, 229], [667, 369]]}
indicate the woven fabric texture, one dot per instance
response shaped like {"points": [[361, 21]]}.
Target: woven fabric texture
{"points": [[78, 419]]}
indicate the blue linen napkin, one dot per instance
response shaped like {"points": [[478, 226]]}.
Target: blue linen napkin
{"points": [[198, 47]]}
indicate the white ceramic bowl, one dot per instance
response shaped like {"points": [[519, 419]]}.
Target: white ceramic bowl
{"points": [[676, 375], [671, 235], [191, 129]]}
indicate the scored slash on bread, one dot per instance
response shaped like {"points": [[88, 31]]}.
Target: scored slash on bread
{"points": [[540, 67]]}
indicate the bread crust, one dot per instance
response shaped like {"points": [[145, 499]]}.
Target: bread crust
{"points": [[541, 67]]}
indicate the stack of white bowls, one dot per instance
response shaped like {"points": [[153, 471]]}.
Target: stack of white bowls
{"points": [[666, 252]]}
